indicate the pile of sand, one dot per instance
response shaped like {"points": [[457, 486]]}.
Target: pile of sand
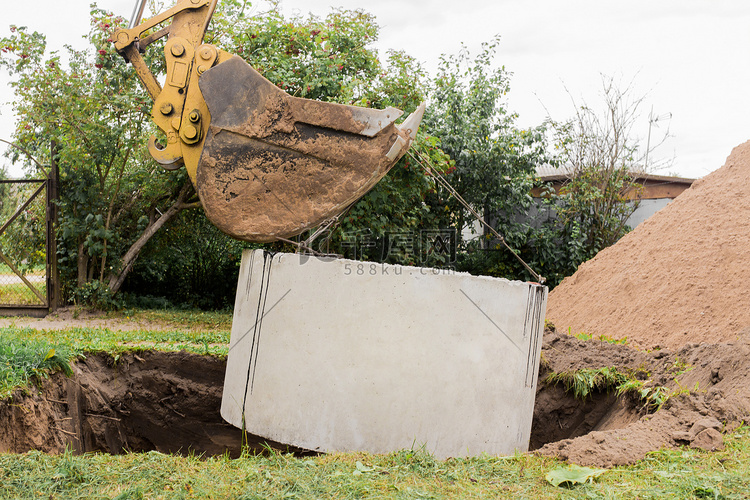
{"points": [[682, 276]]}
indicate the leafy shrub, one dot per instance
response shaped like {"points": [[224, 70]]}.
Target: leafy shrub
{"points": [[97, 295], [190, 264]]}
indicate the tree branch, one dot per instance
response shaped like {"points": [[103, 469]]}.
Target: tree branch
{"points": [[116, 281]]}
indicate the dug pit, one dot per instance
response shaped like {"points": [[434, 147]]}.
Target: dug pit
{"points": [[169, 402], [150, 400]]}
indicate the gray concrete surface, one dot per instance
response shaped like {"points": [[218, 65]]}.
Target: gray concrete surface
{"points": [[646, 208], [340, 355]]}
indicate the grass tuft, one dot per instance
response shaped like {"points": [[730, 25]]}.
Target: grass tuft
{"points": [[23, 359], [582, 383], [585, 381], [601, 338]]}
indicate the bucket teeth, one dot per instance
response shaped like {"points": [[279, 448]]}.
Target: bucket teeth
{"points": [[411, 124], [407, 133]]}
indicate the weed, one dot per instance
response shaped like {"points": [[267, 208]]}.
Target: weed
{"points": [[652, 396], [601, 338], [543, 361], [98, 295], [680, 367], [585, 381]]}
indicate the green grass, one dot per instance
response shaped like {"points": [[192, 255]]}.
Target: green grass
{"points": [[173, 319], [21, 359], [81, 340], [585, 381], [18, 294], [601, 338], [23, 350], [681, 473], [180, 319]]}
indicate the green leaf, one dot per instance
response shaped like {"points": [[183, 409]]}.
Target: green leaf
{"points": [[361, 469], [574, 474]]}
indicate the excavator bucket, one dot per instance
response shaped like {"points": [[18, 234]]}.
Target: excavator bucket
{"points": [[266, 165], [274, 165]]}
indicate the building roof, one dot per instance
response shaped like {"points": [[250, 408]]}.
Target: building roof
{"points": [[548, 174]]}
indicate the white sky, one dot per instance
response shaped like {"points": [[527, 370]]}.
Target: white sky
{"points": [[691, 57]]}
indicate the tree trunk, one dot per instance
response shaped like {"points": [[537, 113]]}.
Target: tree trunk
{"points": [[83, 264], [116, 281]]}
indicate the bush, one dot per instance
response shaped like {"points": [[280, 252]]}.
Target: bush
{"points": [[97, 295]]}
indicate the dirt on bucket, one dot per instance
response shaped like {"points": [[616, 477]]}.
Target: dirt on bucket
{"points": [[170, 402]]}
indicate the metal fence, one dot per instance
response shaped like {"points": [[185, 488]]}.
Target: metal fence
{"points": [[27, 246]]}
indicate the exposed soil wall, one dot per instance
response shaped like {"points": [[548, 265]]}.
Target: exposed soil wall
{"points": [[167, 402], [710, 394], [170, 402]]}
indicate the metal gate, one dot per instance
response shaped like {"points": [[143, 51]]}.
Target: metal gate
{"points": [[28, 267]]}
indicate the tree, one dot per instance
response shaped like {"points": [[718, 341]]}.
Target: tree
{"points": [[329, 59], [113, 198], [494, 160], [190, 262], [604, 158]]}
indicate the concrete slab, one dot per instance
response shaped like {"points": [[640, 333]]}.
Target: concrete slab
{"points": [[340, 355]]}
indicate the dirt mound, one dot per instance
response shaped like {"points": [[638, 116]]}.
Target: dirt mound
{"points": [[708, 384], [679, 277], [170, 402]]}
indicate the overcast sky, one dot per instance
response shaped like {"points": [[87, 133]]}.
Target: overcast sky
{"points": [[691, 58]]}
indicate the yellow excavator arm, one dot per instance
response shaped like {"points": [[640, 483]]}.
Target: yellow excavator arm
{"points": [[265, 164]]}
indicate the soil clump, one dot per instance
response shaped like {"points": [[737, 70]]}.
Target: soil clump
{"points": [[680, 277]]}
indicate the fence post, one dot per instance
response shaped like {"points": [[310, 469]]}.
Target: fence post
{"points": [[53, 278]]}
